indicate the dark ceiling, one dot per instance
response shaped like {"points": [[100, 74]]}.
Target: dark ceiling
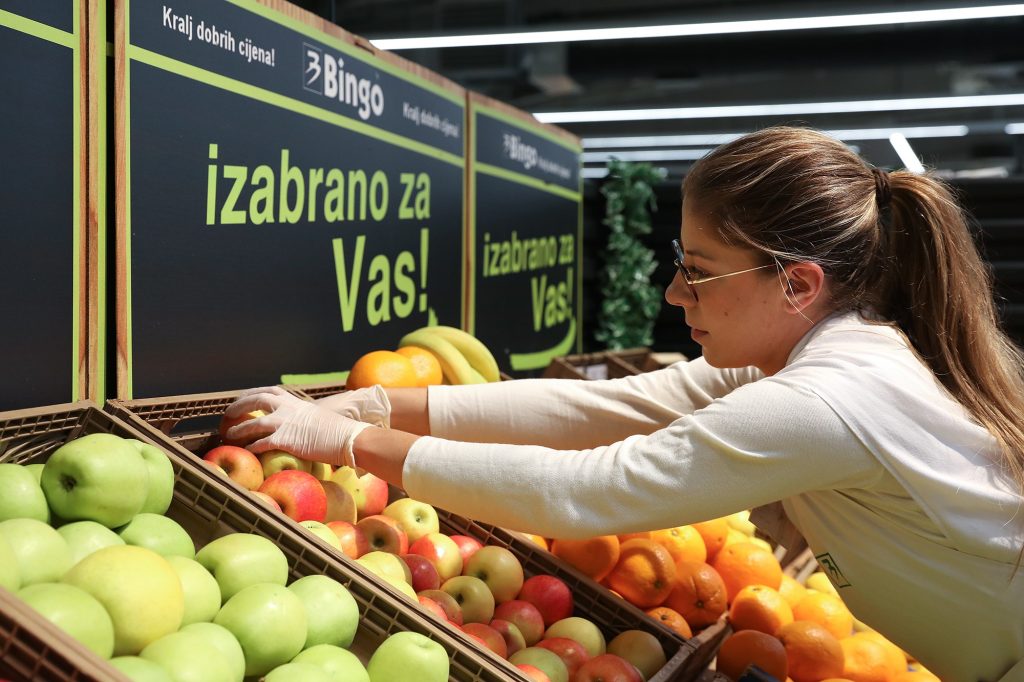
{"points": [[975, 57]]}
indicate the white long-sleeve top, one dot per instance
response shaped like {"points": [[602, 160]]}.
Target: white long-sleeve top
{"points": [[897, 490]]}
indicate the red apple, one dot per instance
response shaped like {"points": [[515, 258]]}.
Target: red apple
{"points": [[424, 575], [432, 606], [510, 633], [490, 637], [570, 651], [524, 616], [467, 546], [242, 466], [300, 495], [267, 500], [217, 468], [353, 542], [447, 603], [550, 595], [499, 568], [383, 534], [608, 668], [341, 506], [582, 630], [535, 674], [473, 596], [227, 422], [441, 551], [369, 492]]}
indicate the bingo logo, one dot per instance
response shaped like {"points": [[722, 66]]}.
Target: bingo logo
{"points": [[325, 74]]}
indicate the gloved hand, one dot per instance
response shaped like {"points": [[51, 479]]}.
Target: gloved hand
{"points": [[302, 428], [370, 405]]}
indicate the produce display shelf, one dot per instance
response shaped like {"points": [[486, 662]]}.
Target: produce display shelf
{"points": [[687, 658], [612, 364], [206, 506]]}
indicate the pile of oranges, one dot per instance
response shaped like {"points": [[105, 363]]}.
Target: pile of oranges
{"points": [[690, 577], [408, 366]]}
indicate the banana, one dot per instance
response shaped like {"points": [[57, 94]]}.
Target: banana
{"points": [[472, 349], [454, 365]]}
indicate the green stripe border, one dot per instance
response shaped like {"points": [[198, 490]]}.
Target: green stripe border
{"points": [[528, 180], [535, 129], [40, 30]]}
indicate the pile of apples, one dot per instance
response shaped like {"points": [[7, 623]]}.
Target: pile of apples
{"points": [[478, 589], [85, 542]]}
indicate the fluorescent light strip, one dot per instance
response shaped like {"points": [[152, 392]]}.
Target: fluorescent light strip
{"points": [[722, 138], [1015, 129], [704, 29], [594, 173], [647, 155], [906, 153], [797, 108]]}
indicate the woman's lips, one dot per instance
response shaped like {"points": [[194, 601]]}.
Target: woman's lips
{"points": [[697, 334]]}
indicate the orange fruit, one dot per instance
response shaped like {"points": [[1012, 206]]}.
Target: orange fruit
{"points": [[594, 557], [827, 610], [757, 607], [812, 651], [915, 676], [383, 367], [644, 535], [698, 593], [791, 590], [425, 364], [744, 563], [897, 659], [538, 540], [671, 619], [866, 661], [644, 574], [751, 647], [683, 543], [713, 533]]}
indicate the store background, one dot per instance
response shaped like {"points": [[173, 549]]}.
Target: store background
{"points": [[984, 161]]}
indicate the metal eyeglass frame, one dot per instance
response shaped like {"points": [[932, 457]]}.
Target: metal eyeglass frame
{"points": [[691, 281]]}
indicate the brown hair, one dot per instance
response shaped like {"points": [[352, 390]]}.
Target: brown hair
{"points": [[799, 195]]}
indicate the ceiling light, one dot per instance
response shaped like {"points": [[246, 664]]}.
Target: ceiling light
{"points": [[704, 28], [796, 108], [1015, 129], [722, 138], [646, 155], [906, 153]]}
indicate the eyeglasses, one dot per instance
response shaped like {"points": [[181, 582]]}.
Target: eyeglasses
{"points": [[692, 279]]}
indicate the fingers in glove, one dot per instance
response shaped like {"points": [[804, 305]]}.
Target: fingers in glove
{"points": [[267, 402], [251, 429], [263, 445], [277, 390]]}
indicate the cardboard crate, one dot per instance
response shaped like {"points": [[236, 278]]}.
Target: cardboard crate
{"points": [[686, 658], [207, 507], [611, 364]]}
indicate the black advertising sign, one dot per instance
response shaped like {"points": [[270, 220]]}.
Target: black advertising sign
{"points": [[41, 122], [525, 237], [292, 200]]}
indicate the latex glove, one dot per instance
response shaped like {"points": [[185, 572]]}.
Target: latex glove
{"points": [[369, 405], [302, 428]]}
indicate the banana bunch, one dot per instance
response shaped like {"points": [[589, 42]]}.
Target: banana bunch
{"points": [[464, 359]]}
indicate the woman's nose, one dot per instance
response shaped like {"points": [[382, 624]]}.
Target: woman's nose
{"points": [[679, 293]]}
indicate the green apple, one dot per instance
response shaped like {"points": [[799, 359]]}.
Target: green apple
{"points": [[548, 662], [323, 532], [36, 469], [42, 555], [242, 559], [161, 477], [473, 595], [339, 663], [225, 643], [298, 672], [414, 517], [332, 615], [20, 495], [269, 621], [408, 657], [85, 537], [189, 657], [580, 630], [10, 574], [274, 461], [322, 470], [640, 648], [98, 477], [74, 611], [140, 670], [200, 589], [158, 533], [138, 588]]}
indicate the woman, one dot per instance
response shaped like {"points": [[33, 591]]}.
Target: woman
{"points": [[853, 369]]}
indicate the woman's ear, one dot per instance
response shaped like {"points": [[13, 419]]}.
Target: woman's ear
{"points": [[803, 284]]}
